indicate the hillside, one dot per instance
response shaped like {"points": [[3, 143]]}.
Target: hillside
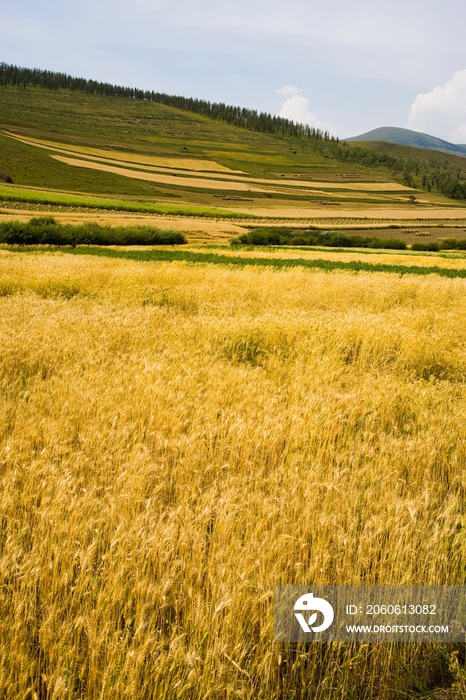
{"points": [[415, 139], [150, 128], [146, 130], [61, 147], [17, 76]]}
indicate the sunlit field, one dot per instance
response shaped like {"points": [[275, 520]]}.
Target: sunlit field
{"points": [[176, 439]]}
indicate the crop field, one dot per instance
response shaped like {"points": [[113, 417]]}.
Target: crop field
{"points": [[443, 265], [195, 192], [167, 430], [195, 164], [198, 174], [179, 166], [183, 428], [66, 199]]}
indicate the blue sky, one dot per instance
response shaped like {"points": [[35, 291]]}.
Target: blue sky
{"points": [[345, 66]]}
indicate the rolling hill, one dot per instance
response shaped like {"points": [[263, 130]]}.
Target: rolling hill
{"points": [[414, 139], [68, 148]]}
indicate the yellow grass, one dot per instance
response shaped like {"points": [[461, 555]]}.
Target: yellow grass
{"points": [[223, 181], [178, 439], [195, 164], [227, 183], [158, 177], [348, 214], [359, 186], [201, 168]]}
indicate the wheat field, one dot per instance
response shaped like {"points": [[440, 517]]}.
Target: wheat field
{"points": [[178, 439]]}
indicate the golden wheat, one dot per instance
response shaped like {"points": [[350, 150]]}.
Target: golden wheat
{"points": [[176, 440]]}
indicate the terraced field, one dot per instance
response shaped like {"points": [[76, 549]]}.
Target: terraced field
{"points": [[197, 174], [151, 159]]}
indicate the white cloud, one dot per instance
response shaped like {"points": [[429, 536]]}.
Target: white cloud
{"points": [[297, 109], [442, 112], [292, 90]]}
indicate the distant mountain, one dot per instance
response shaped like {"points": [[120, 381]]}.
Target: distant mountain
{"points": [[406, 137]]}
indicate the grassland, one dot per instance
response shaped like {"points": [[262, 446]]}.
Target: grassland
{"points": [[167, 430]]}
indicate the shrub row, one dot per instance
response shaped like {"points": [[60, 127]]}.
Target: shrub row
{"points": [[445, 244], [45, 230], [314, 237]]}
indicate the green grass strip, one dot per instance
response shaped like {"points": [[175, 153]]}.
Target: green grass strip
{"points": [[8, 194], [446, 254], [153, 255]]}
